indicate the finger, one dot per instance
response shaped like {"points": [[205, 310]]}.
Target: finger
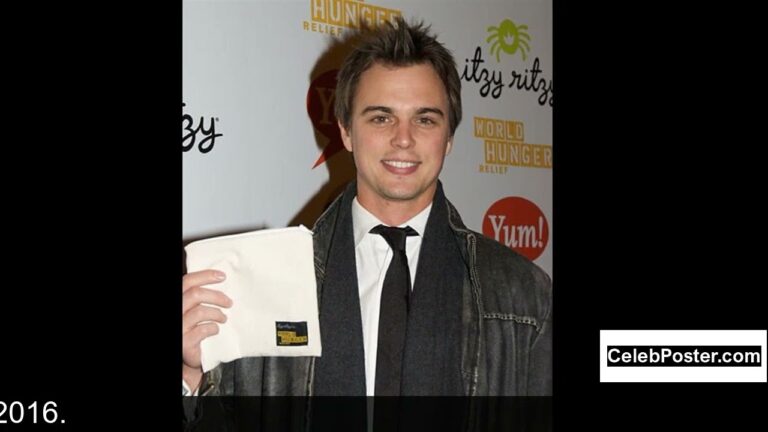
{"points": [[201, 314], [197, 295], [192, 338], [203, 277]]}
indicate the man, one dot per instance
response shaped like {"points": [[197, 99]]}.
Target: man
{"points": [[476, 318]]}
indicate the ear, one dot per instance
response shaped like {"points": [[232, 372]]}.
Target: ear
{"points": [[345, 138], [449, 146]]}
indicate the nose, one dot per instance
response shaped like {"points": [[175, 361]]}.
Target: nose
{"points": [[403, 137]]}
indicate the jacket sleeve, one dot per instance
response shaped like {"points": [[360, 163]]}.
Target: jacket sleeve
{"points": [[540, 361], [194, 406]]}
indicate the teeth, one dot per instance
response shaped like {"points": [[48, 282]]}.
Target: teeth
{"points": [[401, 164]]}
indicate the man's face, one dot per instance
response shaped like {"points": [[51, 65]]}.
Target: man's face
{"points": [[399, 135]]}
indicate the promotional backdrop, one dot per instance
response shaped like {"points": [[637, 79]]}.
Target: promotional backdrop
{"points": [[260, 144]]}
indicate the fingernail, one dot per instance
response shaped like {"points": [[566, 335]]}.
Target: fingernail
{"points": [[219, 275]]}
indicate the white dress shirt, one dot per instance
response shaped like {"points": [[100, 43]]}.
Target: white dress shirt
{"points": [[373, 255]]}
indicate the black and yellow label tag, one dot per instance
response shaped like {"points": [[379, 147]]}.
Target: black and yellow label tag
{"points": [[291, 333]]}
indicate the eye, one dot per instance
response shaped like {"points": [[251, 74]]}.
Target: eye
{"points": [[379, 119], [425, 121]]}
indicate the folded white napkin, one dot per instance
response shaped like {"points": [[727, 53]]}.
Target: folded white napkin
{"points": [[271, 281]]}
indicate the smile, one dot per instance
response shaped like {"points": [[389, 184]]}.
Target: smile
{"points": [[400, 167], [399, 164]]}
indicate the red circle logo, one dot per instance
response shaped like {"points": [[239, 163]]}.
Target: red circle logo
{"points": [[320, 101], [518, 224]]}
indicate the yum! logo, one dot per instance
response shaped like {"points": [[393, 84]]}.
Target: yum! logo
{"points": [[518, 224], [320, 100]]}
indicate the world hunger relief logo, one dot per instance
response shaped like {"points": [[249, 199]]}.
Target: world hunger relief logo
{"points": [[504, 146], [518, 224], [332, 17], [509, 38], [320, 100]]}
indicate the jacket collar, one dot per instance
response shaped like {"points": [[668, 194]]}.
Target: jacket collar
{"points": [[326, 225], [327, 220]]}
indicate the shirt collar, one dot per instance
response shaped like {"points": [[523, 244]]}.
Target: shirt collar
{"points": [[363, 221]]}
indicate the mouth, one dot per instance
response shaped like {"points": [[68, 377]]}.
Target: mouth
{"points": [[400, 167]]}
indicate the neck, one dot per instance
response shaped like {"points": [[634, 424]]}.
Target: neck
{"points": [[395, 212]]}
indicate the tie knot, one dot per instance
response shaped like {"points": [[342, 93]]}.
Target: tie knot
{"points": [[394, 236]]}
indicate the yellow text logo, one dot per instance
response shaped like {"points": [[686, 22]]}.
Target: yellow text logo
{"points": [[333, 16], [504, 146]]}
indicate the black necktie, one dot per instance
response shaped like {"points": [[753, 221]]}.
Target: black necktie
{"points": [[393, 314]]}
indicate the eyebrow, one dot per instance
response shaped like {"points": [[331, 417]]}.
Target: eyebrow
{"points": [[388, 110], [377, 108], [430, 110]]}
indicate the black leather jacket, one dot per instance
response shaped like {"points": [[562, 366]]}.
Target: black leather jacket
{"points": [[506, 325]]}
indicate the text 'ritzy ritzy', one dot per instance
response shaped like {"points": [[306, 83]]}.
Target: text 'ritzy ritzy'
{"points": [[203, 133]]}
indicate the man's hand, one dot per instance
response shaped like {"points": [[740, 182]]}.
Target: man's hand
{"points": [[199, 321]]}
